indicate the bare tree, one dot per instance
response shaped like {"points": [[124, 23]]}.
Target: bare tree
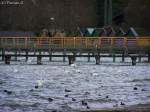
{"points": [[137, 13]]}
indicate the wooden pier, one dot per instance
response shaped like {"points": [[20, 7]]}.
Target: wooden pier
{"points": [[73, 47]]}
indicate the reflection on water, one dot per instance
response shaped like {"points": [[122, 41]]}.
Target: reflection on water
{"points": [[43, 88]]}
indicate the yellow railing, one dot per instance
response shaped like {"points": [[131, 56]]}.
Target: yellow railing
{"points": [[72, 42]]}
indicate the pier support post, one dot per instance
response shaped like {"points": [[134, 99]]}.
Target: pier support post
{"points": [[39, 60], [88, 57], [34, 52], [64, 58], [140, 59], [40, 52], [71, 59], [133, 58], [7, 59], [148, 57], [50, 56], [123, 57], [3, 54], [74, 54], [97, 58], [26, 56], [15, 55], [114, 58]]}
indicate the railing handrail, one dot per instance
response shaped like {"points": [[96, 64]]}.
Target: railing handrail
{"points": [[74, 42], [75, 37]]}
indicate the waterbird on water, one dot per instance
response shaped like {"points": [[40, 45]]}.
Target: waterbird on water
{"points": [[88, 107], [15, 70], [84, 103], [107, 96], [122, 103], [66, 90], [73, 99], [40, 83], [8, 92], [135, 88], [143, 89], [73, 65], [36, 87], [50, 99], [95, 74], [66, 95]]}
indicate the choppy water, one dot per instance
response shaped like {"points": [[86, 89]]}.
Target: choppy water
{"points": [[101, 86]]}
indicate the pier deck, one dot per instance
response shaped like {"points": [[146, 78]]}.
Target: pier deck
{"points": [[75, 47]]}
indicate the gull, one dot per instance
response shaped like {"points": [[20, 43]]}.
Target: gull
{"points": [[40, 82]]}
